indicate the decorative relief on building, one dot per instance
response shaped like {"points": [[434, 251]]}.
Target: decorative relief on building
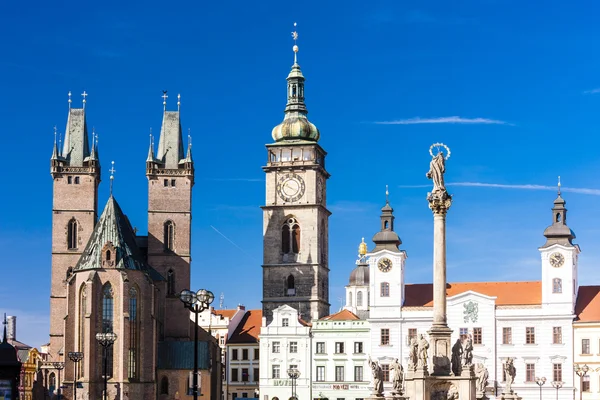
{"points": [[471, 311]]}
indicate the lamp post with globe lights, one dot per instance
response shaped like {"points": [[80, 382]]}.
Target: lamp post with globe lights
{"points": [[75, 356], [59, 366], [581, 371], [105, 339], [294, 374], [196, 303], [540, 382], [557, 385]]}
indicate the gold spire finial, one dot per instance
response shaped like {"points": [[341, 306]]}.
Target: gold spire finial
{"points": [[295, 48], [164, 96], [362, 248]]}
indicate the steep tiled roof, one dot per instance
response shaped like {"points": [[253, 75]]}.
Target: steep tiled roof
{"points": [[587, 307], [506, 293], [344, 315], [225, 313], [114, 227], [248, 328]]}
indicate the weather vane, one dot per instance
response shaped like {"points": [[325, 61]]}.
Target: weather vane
{"points": [[295, 48], [112, 171], [164, 96]]}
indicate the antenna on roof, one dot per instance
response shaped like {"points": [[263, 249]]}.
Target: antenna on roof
{"points": [[221, 300]]}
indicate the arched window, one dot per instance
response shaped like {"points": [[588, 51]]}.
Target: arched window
{"points": [[81, 335], [558, 217], [290, 237], [169, 236], [385, 289], [349, 299], [108, 255], [359, 299], [386, 224], [290, 284], [170, 283], [556, 285], [107, 323], [164, 385], [133, 333], [52, 382], [72, 234]]}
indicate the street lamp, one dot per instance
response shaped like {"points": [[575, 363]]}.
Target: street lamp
{"points": [[540, 382], [106, 339], [75, 356], [557, 385], [58, 366], [294, 374], [196, 303], [581, 372]]}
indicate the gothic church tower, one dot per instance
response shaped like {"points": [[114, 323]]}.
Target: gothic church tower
{"points": [[295, 216], [75, 172]]}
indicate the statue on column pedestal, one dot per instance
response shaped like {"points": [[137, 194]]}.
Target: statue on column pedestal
{"points": [[413, 354], [423, 355], [457, 351], [468, 351], [377, 378], [398, 379], [510, 372]]}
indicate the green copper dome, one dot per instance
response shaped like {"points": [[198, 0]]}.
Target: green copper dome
{"points": [[295, 125]]}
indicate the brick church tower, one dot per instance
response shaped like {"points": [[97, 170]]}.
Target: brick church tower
{"points": [[295, 214]]}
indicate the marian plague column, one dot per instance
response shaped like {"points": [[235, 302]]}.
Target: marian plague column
{"points": [[439, 203]]}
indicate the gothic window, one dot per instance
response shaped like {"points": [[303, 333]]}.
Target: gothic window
{"points": [[169, 235], [349, 299], [107, 323], [359, 299], [170, 283], [164, 385], [290, 285], [81, 335], [290, 237], [385, 289], [556, 285], [72, 234], [133, 333]]}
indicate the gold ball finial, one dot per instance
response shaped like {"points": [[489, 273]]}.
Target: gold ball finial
{"points": [[362, 248]]}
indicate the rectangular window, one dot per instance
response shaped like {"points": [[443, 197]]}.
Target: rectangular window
{"points": [[529, 372], [244, 354], [585, 346], [557, 335], [385, 336], [275, 372], [245, 375], [556, 285], [320, 373], [172, 182], [358, 374], [412, 333], [339, 347], [285, 322], [233, 395], [244, 395], [275, 347], [585, 383], [557, 372], [256, 354], [320, 349], [293, 347], [385, 368], [222, 341], [530, 335], [477, 336], [339, 373], [234, 375], [358, 347], [463, 332], [385, 289], [166, 182], [234, 354], [256, 375], [506, 335]]}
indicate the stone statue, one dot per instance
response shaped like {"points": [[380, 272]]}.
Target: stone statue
{"points": [[468, 351], [457, 351], [377, 377], [423, 346], [482, 375], [510, 371], [398, 379], [437, 168], [413, 353]]}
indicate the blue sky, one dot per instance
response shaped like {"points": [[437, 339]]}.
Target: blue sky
{"points": [[513, 88]]}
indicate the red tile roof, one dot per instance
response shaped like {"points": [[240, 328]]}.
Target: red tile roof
{"points": [[344, 315], [506, 293], [587, 307], [248, 329], [225, 313]]}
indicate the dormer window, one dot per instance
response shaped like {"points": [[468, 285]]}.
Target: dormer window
{"points": [[107, 255], [108, 251]]}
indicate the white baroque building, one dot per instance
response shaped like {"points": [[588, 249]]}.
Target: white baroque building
{"points": [[586, 341]]}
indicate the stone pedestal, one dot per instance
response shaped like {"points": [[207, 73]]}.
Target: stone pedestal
{"points": [[510, 396], [439, 343]]}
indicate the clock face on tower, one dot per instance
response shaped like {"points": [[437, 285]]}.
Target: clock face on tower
{"points": [[290, 187], [556, 259], [384, 265]]}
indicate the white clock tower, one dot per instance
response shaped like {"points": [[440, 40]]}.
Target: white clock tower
{"points": [[559, 262]]}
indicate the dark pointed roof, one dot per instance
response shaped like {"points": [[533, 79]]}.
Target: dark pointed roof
{"points": [[559, 232], [170, 144], [114, 227], [75, 144], [386, 238], [8, 353]]}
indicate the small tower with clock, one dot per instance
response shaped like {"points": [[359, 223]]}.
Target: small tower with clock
{"points": [[295, 216], [559, 262]]}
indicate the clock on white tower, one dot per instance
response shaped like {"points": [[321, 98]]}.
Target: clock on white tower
{"points": [[556, 259], [384, 264], [290, 187]]}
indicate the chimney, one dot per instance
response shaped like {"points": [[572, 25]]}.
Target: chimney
{"points": [[11, 328], [241, 307]]}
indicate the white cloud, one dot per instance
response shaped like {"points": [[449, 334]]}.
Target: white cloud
{"points": [[444, 120], [595, 192], [593, 91]]}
